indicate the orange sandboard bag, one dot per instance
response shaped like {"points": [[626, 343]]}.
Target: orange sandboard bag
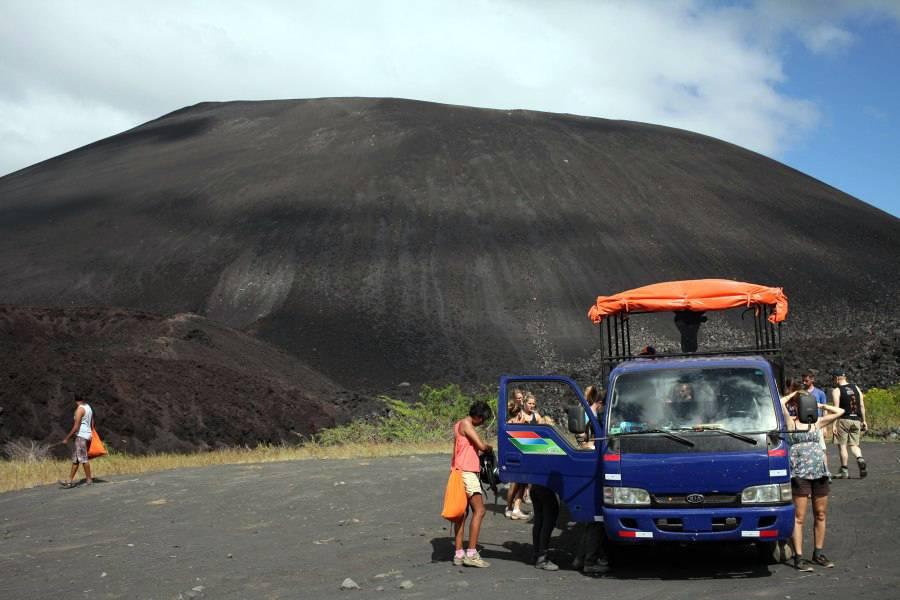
{"points": [[97, 448], [455, 498]]}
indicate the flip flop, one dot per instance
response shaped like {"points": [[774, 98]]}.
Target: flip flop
{"points": [[65, 484]]}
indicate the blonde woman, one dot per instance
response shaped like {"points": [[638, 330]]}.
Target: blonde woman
{"points": [[516, 491], [530, 415]]}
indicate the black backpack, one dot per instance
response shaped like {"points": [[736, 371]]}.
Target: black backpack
{"points": [[490, 472]]}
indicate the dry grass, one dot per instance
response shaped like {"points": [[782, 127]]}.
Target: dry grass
{"points": [[20, 474]]}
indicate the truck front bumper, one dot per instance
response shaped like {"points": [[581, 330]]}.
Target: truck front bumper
{"points": [[743, 523]]}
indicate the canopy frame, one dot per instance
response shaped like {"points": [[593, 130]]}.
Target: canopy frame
{"points": [[615, 346]]}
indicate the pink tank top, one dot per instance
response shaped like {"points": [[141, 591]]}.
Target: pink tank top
{"points": [[465, 457]]}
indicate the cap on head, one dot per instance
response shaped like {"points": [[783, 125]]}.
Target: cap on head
{"points": [[838, 372]]}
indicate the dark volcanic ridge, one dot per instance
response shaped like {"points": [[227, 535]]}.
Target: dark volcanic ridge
{"points": [[384, 240], [157, 383]]}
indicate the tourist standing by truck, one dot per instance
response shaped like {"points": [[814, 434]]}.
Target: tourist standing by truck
{"points": [[590, 558], [852, 424], [809, 475], [516, 491], [467, 444]]}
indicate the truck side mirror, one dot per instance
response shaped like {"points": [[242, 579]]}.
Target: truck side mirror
{"points": [[575, 415], [807, 408]]}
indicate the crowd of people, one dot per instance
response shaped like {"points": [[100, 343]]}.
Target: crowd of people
{"points": [[842, 419]]}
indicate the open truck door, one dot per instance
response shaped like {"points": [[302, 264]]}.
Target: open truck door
{"points": [[557, 451]]}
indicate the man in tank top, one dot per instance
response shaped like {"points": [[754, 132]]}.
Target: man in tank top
{"points": [[850, 426], [81, 429]]}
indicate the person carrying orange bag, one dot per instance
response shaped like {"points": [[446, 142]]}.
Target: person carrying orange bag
{"points": [[466, 446], [82, 429]]}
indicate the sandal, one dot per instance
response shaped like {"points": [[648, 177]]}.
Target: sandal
{"points": [[65, 484]]}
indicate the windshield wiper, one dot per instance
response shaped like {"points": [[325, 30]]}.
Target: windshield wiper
{"points": [[734, 434], [666, 433]]}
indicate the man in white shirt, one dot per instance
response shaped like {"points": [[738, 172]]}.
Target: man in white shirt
{"points": [[81, 429]]}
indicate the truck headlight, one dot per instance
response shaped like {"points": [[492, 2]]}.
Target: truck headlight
{"points": [[763, 494], [625, 495]]}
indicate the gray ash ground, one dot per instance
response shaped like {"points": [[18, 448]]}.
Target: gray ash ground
{"points": [[299, 529]]}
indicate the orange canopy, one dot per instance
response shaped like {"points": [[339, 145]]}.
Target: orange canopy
{"points": [[697, 295]]}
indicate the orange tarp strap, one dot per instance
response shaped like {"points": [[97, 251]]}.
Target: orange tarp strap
{"points": [[696, 295]]}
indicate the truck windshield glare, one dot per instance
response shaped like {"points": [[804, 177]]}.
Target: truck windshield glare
{"points": [[703, 399]]}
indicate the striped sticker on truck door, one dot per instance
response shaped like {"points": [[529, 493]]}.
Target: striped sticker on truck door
{"points": [[530, 442]]}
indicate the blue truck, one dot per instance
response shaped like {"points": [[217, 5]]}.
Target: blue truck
{"points": [[689, 446]]}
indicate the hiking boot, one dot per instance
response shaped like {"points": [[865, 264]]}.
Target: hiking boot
{"points": [[475, 561], [844, 473], [544, 564], [822, 560], [801, 565], [861, 463], [601, 565]]}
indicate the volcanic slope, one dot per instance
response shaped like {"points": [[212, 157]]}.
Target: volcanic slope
{"points": [[384, 240], [157, 384]]}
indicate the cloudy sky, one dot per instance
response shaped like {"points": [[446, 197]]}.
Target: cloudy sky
{"points": [[812, 83]]}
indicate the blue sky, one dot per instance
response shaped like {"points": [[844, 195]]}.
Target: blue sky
{"points": [[855, 145], [812, 83]]}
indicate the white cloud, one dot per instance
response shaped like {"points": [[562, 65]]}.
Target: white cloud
{"points": [[825, 38], [76, 72]]}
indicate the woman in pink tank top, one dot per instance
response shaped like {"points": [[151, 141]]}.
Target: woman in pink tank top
{"points": [[466, 446]]}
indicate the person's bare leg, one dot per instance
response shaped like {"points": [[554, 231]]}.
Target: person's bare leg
{"points": [[72, 472], [511, 495], [855, 451], [477, 504], [800, 504], [820, 509], [87, 472], [843, 451], [459, 528]]}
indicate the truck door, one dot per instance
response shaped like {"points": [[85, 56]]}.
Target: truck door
{"points": [[543, 449]]}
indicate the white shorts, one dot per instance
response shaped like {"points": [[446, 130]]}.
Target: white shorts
{"points": [[472, 483]]}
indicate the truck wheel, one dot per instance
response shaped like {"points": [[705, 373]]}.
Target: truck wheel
{"points": [[773, 553]]}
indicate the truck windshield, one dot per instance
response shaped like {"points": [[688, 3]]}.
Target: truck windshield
{"points": [[736, 399]]}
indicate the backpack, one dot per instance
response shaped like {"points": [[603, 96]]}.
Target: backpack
{"points": [[490, 472]]}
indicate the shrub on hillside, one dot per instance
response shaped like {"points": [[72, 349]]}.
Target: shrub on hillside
{"points": [[883, 409], [428, 419]]}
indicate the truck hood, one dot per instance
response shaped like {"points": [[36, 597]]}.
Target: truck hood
{"points": [[703, 473]]}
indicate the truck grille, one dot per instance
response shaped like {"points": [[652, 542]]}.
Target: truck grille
{"points": [[681, 500]]}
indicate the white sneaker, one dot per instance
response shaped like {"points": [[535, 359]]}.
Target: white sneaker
{"points": [[508, 514], [518, 515], [475, 561]]}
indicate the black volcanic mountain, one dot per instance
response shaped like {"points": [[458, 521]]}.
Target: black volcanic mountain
{"points": [[387, 240]]}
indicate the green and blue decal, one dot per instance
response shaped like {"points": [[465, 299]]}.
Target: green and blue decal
{"points": [[529, 442]]}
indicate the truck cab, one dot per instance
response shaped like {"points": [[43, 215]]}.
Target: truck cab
{"points": [[690, 454], [688, 446]]}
